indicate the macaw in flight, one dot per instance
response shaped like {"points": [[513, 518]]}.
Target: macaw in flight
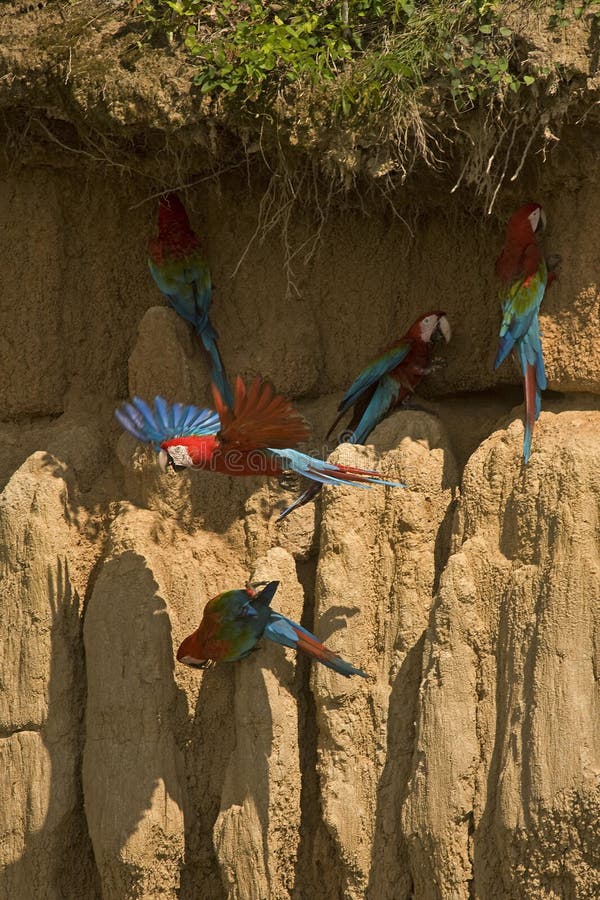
{"points": [[182, 274], [385, 384], [255, 437], [233, 622], [523, 272]]}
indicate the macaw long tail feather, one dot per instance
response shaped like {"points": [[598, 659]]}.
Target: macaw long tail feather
{"points": [[283, 631], [330, 473], [532, 406], [531, 359], [328, 658], [309, 494], [217, 370]]}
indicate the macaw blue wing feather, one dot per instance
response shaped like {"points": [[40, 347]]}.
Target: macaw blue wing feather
{"points": [[372, 373], [188, 287], [383, 399], [166, 420], [280, 630], [530, 353], [520, 306]]}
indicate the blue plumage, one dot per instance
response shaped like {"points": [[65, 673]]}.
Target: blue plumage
{"points": [[384, 398], [181, 273], [327, 473], [369, 376], [166, 420]]}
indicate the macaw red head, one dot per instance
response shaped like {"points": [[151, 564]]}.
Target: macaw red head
{"points": [[529, 219], [190, 652], [171, 212], [187, 452], [431, 326]]}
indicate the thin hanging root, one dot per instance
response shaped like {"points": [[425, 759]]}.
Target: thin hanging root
{"points": [[184, 186], [525, 151], [286, 193], [504, 168]]}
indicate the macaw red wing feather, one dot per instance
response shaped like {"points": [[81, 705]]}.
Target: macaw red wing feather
{"points": [[518, 262], [260, 418]]}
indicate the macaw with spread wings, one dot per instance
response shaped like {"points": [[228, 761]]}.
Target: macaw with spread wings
{"points": [[254, 437]]}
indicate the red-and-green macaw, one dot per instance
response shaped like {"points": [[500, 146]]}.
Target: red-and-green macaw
{"points": [[255, 437], [385, 384], [182, 274], [523, 273], [233, 622]]}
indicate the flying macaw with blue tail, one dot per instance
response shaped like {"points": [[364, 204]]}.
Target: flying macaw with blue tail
{"points": [[385, 384], [523, 271], [182, 274], [252, 438], [233, 622]]}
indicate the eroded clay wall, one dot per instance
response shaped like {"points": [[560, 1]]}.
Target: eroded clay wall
{"points": [[467, 765]]}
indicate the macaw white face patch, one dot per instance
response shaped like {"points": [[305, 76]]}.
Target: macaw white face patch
{"points": [[537, 219], [177, 454], [427, 327], [180, 456]]}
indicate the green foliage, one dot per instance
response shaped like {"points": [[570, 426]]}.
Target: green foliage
{"points": [[342, 60], [567, 11], [271, 44]]}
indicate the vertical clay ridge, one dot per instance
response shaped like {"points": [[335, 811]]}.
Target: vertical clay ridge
{"points": [[315, 868]]}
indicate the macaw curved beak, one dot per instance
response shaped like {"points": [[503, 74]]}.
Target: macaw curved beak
{"points": [[163, 460], [443, 328], [195, 663], [542, 222]]}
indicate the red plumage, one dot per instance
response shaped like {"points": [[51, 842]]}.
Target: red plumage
{"points": [[203, 644], [260, 418], [172, 214], [520, 257], [176, 239], [408, 373]]}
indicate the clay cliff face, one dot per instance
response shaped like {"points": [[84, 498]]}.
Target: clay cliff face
{"points": [[467, 765]]}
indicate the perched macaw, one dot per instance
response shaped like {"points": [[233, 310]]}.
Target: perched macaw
{"points": [[523, 272], [182, 274], [233, 622], [253, 438], [385, 384]]}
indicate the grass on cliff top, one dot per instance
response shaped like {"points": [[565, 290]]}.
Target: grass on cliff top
{"points": [[367, 68]]}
